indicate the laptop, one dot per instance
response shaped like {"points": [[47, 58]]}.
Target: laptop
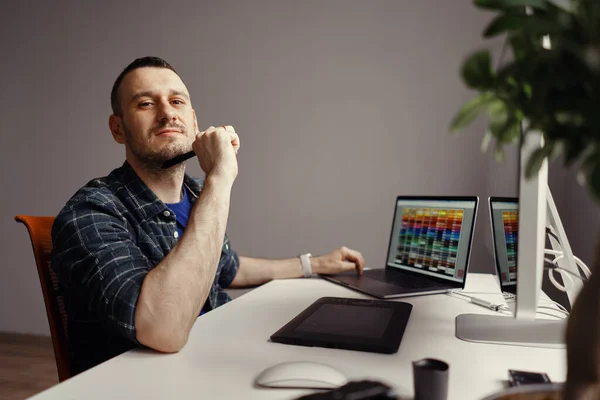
{"points": [[504, 218], [428, 251]]}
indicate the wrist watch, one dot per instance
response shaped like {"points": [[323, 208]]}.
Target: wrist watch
{"points": [[306, 265]]}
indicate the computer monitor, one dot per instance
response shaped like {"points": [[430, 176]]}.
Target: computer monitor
{"points": [[504, 223], [536, 211]]}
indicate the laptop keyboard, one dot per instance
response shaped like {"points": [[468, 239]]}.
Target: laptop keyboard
{"points": [[408, 282]]}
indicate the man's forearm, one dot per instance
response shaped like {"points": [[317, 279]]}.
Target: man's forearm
{"points": [[256, 271], [174, 291]]}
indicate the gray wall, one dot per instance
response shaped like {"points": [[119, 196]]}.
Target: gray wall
{"points": [[340, 106], [581, 219]]}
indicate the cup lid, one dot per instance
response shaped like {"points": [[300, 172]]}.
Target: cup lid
{"points": [[431, 363]]}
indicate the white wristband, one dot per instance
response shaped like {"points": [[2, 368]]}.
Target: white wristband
{"points": [[306, 266]]}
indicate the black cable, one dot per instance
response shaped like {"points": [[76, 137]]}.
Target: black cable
{"points": [[581, 271], [549, 232]]}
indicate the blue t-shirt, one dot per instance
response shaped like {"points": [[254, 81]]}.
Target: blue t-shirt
{"points": [[182, 212]]}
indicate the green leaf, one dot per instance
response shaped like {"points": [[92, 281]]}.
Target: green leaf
{"points": [[558, 150], [512, 131], [506, 132], [537, 158], [498, 112], [477, 70], [587, 165], [570, 118], [521, 47], [499, 153], [505, 4], [470, 111], [498, 119], [485, 142], [503, 126], [531, 25], [591, 57]]}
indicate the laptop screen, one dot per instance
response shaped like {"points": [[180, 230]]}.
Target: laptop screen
{"points": [[504, 214], [433, 236]]}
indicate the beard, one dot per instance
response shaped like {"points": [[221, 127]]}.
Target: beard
{"points": [[153, 158]]}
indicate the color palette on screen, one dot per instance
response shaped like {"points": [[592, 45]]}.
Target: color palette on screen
{"points": [[429, 238], [510, 220]]}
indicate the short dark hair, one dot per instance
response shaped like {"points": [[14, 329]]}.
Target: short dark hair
{"points": [[138, 63]]}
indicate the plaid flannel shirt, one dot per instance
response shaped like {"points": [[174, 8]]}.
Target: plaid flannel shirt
{"points": [[107, 237]]}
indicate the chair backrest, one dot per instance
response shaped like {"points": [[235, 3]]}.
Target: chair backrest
{"points": [[41, 240]]}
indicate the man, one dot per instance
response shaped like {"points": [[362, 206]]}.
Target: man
{"points": [[142, 252]]}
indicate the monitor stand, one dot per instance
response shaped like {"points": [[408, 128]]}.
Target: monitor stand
{"points": [[506, 330], [537, 211], [527, 331]]}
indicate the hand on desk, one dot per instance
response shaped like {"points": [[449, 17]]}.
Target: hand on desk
{"points": [[340, 260]]}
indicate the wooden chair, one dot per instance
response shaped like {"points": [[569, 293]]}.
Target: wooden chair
{"points": [[40, 233]]}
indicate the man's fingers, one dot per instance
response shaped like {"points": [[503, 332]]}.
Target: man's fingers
{"points": [[348, 266], [355, 256], [235, 141], [359, 268], [228, 129]]}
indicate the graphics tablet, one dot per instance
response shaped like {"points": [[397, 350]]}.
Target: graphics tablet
{"points": [[353, 324]]}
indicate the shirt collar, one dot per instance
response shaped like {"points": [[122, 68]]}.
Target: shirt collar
{"points": [[144, 198]]}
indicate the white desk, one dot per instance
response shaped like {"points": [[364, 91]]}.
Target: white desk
{"points": [[230, 346]]}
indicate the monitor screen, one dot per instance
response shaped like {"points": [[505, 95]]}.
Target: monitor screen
{"points": [[433, 237], [505, 232]]}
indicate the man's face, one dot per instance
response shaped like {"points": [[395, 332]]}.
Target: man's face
{"points": [[158, 122]]}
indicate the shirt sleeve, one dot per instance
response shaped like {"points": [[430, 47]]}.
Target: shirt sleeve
{"points": [[95, 254], [229, 263]]}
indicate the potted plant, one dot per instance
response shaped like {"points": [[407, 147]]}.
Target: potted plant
{"points": [[551, 84]]}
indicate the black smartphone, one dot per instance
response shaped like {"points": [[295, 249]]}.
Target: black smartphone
{"points": [[518, 378]]}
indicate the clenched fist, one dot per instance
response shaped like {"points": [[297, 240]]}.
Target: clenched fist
{"points": [[216, 149]]}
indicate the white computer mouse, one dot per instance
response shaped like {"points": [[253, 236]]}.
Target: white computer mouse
{"points": [[301, 375]]}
